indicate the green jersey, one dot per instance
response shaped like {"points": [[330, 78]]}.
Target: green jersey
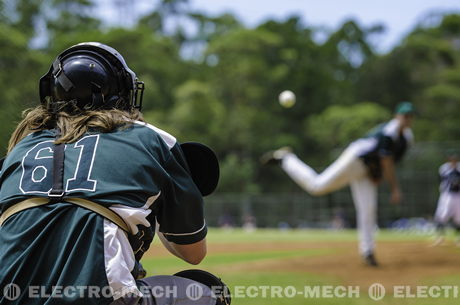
{"points": [[138, 171], [385, 140]]}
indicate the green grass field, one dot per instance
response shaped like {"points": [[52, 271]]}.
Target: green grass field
{"points": [[287, 260]]}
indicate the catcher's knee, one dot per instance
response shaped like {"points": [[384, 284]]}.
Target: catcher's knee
{"points": [[218, 288]]}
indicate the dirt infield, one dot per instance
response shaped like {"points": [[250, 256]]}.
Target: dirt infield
{"points": [[402, 263]]}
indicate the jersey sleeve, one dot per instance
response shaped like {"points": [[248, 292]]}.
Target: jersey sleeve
{"points": [[180, 212]]}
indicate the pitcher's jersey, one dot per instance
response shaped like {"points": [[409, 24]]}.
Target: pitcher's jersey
{"points": [[388, 141], [383, 140], [138, 171]]}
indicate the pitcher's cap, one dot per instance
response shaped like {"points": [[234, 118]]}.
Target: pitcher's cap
{"points": [[405, 108]]}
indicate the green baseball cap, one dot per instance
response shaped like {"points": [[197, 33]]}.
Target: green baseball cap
{"points": [[405, 108]]}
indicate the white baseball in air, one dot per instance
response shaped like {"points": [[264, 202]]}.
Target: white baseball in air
{"points": [[287, 98]]}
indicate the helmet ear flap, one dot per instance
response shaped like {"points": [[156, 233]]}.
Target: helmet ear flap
{"points": [[93, 76], [97, 96], [45, 86], [116, 102]]}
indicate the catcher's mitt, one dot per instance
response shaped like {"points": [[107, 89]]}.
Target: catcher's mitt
{"points": [[203, 165]]}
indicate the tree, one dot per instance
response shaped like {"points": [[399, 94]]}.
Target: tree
{"points": [[344, 123], [422, 69], [64, 17], [23, 15], [21, 68]]}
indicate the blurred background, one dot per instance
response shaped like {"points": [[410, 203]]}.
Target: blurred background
{"points": [[213, 71]]}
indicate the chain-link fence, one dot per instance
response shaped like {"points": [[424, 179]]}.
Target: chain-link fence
{"points": [[418, 178]]}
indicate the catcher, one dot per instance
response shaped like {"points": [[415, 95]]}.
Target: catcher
{"points": [[84, 185]]}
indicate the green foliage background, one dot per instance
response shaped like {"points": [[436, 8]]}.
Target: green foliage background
{"points": [[213, 79]]}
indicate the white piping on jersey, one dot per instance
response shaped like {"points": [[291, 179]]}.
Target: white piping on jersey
{"points": [[186, 234], [169, 139]]}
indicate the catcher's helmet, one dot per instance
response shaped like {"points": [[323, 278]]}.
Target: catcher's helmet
{"points": [[91, 76]]}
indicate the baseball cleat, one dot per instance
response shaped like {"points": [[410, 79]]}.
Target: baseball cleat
{"points": [[370, 260], [274, 157]]}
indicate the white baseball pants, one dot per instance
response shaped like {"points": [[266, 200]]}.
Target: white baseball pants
{"points": [[448, 208], [348, 169]]}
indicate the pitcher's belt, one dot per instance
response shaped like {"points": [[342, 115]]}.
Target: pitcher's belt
{"points": [[87, 204]]}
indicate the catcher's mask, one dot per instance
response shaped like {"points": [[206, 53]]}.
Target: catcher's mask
{"points": [[90, 76]]}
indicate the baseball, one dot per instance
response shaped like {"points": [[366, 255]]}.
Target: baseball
{"points": [[287, 98]]}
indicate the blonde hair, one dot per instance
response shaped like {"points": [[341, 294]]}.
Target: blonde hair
{"points": [[72, 127]]}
